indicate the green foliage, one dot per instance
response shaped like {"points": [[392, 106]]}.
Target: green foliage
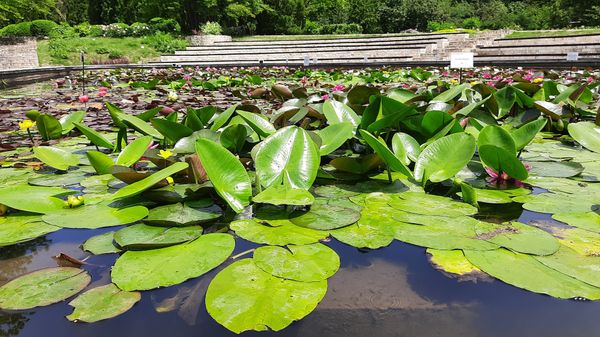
{"points": [[165, 43], [211, 28], [17, 30], [165, 25], [41, 28]]}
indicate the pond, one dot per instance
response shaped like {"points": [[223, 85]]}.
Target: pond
{"points": [[394, 202]]}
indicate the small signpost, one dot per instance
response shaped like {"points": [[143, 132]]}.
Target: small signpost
{"points": [[572, 56], [306, 61], [461, 61]]}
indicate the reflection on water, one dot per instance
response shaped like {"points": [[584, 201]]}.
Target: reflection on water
{"points": [[385, 292]]}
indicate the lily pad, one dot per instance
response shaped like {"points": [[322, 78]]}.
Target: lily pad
{"points": [[582, 241], [325, 217], [284, 195], [308, 263], [163, 267], [58, 158], [524, 271], [182, 215], [365, 235], [589, 220], [556, 203], [522, 238], [43, 287], [102, 303], [243, 297], [587, 134], [555, 169], [142, 236], [569, 262], [427, 204], [451, 261], [33, 199], [56, 180], [95, 216], [101, 244], [285, 234], [21, 228]]}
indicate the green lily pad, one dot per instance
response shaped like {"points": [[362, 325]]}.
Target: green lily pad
{"points": [[555, 169], [285, 234], [243, 297], [451, 261], [284, 195], [582, 241], [524, 271], [365, 235], [33, 199], [308, 263], [336, 191], [95, 216], [182, 215], [569, 262], [142, 236], [57, 180], [21, 228], [556, 203], [522, 238], [325, 217], [589, 220], [43, 287], [102, 303], [490, 196], [427, 204], [163, 267], [58, 158], [101, 244]]}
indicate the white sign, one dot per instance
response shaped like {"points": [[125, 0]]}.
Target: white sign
{"points": [[306, 61], [572, 56], [461, 60]]}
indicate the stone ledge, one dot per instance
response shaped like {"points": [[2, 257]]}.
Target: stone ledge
{"points": [[207, 40]]}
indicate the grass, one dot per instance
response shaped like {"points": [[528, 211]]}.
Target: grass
{"points": [[98, 49], [551, 33]]}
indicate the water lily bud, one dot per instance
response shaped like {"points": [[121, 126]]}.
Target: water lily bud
{"points": [[166, 110], [172, 96], [74, 201], [3, 209], [83, 99]]}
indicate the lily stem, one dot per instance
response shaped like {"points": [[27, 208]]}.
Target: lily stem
{"points": [[243, 253], [30, 136]]}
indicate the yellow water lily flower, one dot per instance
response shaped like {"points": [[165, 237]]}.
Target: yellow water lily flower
{"points": [[172, 96], [165, 154], [474, 83], [26, 124], [453, 81], [538, 80], [170, 181], [73, 201]]}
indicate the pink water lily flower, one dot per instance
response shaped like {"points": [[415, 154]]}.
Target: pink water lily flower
{"points": [[325, 97], [339, 88], [503, 178], [83, 99]]}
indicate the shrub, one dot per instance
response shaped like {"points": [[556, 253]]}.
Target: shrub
{"points": [[117, 30], [58, 48], [165, 25], [311, 27], [85, 29], [471, 23], [16, 30], [165, 43], [115, 54], [341, 28], [41, 28], [434, 26], [140, 29], [63, 31], [211, 28]]}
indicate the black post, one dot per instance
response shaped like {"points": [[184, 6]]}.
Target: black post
{"points": [[82, 57]]}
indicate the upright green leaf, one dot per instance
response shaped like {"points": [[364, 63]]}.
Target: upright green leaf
{"points": [[385, 153], [94, 137], [146, 183], [67, 121], [58, 158], [445, 157], [586, 134], [334, 136], [134, 151], [338, 112], [49, 127], [525, 134], [226, 172]]}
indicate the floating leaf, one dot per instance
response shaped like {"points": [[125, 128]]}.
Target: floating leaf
{"points": [[556, 203], [308, 263], [325, 217], [143, 270], [33, 199], [21, 228], [182, 215], [586, 220], [451, 261], [569, 262], [284, 234], [524, 271], [102, 303], [427, 204], [101, 244], [582, 241], [43, 287], [58, 158], [284, 195], [368, 234], [226, 172], [57, 180], [95, 216], [242, 297], [522, 238], [142, 236]]}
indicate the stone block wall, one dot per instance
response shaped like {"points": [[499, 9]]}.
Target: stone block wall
{"points": [[18, 53], [207, 40]]}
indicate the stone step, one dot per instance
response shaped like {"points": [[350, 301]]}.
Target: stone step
{"points": [[291, 62], [291, 41]]}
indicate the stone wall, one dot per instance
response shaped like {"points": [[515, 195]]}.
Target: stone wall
{"points": [[206, 40], [18, 53]]}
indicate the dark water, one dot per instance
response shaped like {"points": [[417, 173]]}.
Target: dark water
{"points": [[387, 292]]}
